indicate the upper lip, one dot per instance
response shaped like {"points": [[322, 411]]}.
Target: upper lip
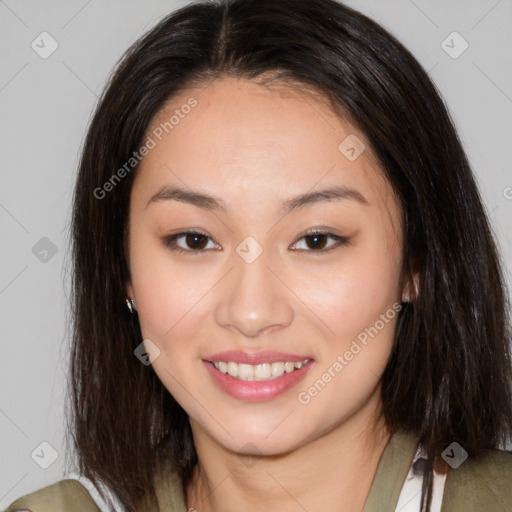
{"points": [[264, 356]]}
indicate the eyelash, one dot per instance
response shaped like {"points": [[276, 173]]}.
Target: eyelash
{"points": [[169, 241]]}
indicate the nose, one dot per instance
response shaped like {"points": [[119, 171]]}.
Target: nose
{"points": [[253, 300]]}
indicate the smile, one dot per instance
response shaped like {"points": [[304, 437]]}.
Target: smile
{"points": [[258, 382], [259, 372]]}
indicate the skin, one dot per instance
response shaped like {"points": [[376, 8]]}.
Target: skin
{"points": [[254, 147]]}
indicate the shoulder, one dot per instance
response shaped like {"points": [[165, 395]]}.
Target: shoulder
{"points": [[63, 496], [480, 483]]}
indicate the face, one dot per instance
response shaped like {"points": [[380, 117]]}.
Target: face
{"points": [[302, 322]]}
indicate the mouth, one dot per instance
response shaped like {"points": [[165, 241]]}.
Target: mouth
{"points": [[258, 372], [257, 382]]}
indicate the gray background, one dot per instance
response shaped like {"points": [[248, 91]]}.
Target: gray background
{"points": [[45, 107]]}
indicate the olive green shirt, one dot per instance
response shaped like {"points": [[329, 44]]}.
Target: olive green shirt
{"points": [[478, 485]]}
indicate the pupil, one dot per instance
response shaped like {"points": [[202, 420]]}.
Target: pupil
{"points": [[315, 245], [192, 238]]}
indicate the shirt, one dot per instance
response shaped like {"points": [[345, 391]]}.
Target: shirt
{"points": [[408, 501], [479, 484]]}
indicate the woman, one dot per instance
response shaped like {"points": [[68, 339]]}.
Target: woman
{"points": [[286, 292]]}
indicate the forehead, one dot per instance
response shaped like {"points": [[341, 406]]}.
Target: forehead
{"points": [[253, 139]]}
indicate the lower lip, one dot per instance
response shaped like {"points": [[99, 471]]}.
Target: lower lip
{"points": [[256, 391]]}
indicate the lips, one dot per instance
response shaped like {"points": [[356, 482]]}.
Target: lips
{"points": [[256, 390]]}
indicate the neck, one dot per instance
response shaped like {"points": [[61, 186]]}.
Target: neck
{"points": [[337, 467]]}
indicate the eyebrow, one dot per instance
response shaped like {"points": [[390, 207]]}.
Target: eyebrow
{"points": [[212, 203]]}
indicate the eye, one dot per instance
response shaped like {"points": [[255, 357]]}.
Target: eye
{"points": [[194, 241], [316, 241]]}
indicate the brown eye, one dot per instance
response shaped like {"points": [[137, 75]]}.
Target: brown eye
{"points": [[191, 241], [317, 241], [196, 241]]}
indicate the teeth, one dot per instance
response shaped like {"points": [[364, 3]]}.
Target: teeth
{"points": [[245, 372], [289, 367], [233, 369], [259, 372], [277, 369], [263, 371]]}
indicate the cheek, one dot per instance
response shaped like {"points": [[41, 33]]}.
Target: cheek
{"points": [[351, 295], [358, 303], [166, 293], [163, 301], [169, 309]]}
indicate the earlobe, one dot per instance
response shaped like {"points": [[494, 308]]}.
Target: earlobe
{"points": [[130, 301], [411, 294]]}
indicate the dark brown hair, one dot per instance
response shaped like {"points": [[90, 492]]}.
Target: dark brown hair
{"points": [[449, 375]]}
